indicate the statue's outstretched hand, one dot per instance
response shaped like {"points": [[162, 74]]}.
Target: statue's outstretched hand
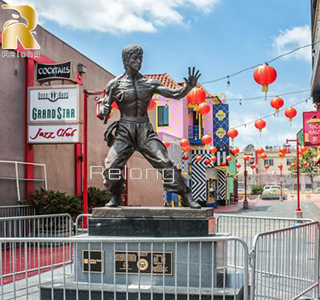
{"points": [[193, 77]]}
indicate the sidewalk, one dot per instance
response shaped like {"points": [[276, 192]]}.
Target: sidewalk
{"points": [[234, 207]]}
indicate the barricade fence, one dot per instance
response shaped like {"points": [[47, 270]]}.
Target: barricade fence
{"points": [[285, 263], [16, 210], [81, 222], [137, 268], [14, 255]]}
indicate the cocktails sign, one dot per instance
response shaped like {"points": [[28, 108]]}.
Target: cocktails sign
{"points": [[53, 114], [311, 128]]}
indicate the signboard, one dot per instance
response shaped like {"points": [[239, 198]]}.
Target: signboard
{"points": [[300, 137], [161, 262], [53, 104], [311, 128], [53, 134], [96, 262], [54, 71]]}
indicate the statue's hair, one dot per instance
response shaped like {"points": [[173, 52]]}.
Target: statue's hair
{"points": [[128, 51]]}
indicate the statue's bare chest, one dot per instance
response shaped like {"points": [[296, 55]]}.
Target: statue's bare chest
{"points": [[134, 90]]}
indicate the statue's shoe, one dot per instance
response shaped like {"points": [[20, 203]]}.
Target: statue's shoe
{"points": [[115, 201], [188, 201]]}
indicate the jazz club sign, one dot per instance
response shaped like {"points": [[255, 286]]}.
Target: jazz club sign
{"points": [[311, 128], [53, 115]]}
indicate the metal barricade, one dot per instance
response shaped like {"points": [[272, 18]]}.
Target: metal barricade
{"points": [[14, 255], [79, 224], [130, 268], [285, 263], [16, 210]]}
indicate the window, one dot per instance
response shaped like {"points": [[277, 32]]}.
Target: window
{"points": [[288, 161], [163, 115], [268, 162], [308, 186]]}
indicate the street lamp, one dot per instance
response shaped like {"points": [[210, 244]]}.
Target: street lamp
{"points": [[245, 174], [298, 210]]}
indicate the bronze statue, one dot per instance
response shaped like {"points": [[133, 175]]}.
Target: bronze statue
{"points": [[133, 92]]}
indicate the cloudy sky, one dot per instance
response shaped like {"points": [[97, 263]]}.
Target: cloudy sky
{"points": [[219, 37]]}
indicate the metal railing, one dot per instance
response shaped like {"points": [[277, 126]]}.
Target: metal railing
{"points": [[16, 177], [143, 268], [285, 263], [79, 224], [16, 210], [45, 226]]}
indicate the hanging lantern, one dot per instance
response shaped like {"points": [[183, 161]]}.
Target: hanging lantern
{"points": [[206, 139], [232, 133], [204, 108], [265, 75], [290, 113], [267, 167], [304, 149], [184, 143], [293, 165], [213, 150], [198, 158], [260, 150], [186, 149], [283, 150], [300, 152], [196, 96], [185, 157], [235, 151], [223, 164], [246, 157], [166, 143], [276, 103], [282, 155], [280, 166], [98, 105], [229, 158], [207, 162], [305, 163], [238, 166], [213, 158], [263, 155], [260, 124], [253, 166]]}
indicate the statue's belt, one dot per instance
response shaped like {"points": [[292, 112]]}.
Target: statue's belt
{"points": [[109, 137]]}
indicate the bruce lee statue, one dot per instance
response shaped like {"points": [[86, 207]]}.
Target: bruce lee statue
{"points": [[133, 131]]}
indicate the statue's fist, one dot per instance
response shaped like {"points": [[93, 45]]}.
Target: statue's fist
{"points": [[105, 110]]}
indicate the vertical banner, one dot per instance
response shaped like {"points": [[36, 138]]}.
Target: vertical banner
{"points": [[220, 129], [311, 128]]}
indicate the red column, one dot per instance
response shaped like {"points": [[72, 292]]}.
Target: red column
{"points": [[85, 156], [78, 161], [28, 149], [298, 178]]}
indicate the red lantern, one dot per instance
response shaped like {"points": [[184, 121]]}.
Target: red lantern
{"points": [[238, 166], [229, 158], [305, 163], [198, 158], [235, 151], [152, 104], [223, 164], [277, 103], [232, 133], [196, 96], [185, 157], [263, 156], [213, 150], [253, 166], [260, 124], [213, 158], [166, 143], [207, 162], [293, 165], [283, 150], [265, 75], [282, 155], [186, 149], [204, 108], [267, 167], [290, 113], [304, 149], [98, 105], [206, 139], [184, 143], [280, 166], [260, 150], [246, 157]]}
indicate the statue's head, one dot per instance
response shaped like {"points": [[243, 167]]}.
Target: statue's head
{"points": [[132, 57]]}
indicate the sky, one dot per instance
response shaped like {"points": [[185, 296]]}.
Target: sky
{"points": [[219, 37]]}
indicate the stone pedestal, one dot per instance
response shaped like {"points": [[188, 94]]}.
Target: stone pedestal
{"points": [[179, 266]]}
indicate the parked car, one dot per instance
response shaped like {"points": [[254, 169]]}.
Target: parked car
{"points": [[272, 192], [318, 190]]}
